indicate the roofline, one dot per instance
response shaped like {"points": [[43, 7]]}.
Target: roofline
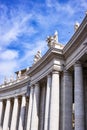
{"points": [[75, 35]]}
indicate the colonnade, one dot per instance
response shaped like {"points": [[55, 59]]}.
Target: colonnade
{"points": [[44, 110]]}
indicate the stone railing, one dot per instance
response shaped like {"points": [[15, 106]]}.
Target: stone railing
{"points": [[17, 80]]}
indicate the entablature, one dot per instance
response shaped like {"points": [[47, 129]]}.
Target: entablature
{"points": [[76, 39], [52, 53], [17, 89]]}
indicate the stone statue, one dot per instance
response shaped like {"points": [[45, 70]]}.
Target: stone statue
{"points": [[56, 37], [11, 78], [37, 56], [76, 26], [52, 40], [19, 74]]}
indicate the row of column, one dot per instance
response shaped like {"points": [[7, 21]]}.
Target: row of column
{"points": [[46, 117], [50, 112], [78, 99], [11, 117]]}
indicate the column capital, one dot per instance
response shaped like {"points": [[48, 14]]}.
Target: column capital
{"points": [[37, 84], [49, 76], [32, 86], [78, 64], [23, 95], [8, 99], [15, 97], [67, 72], [55, 72]]}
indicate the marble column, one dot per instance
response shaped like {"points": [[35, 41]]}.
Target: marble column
{"points": [[1, 113], [67, 101], [22, 113], [14, 115], [7, 115], [35, 111], [30, 108], [42, 106], [61, 102], [79, 97], [54, 102], [85, 92], [47, 105]]}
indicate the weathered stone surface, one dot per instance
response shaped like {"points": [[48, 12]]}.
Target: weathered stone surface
{"points": [[14, 115], [79, 98], [7, 115], [22, 113], [29, 117], [67, 101], [47, 105], [54, 102], [35, 109]]}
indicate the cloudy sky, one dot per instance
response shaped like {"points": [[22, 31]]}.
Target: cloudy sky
{"points": [[25, 25]]}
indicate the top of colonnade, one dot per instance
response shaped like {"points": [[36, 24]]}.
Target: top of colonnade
{"points": [[54, 47], [52, 41], [80, 32]]}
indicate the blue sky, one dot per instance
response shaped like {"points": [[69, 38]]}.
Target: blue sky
{"points": [[25, 25]]}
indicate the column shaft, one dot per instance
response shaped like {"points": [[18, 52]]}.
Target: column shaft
{"points": [[22, 113], [7, 115], [47, 105], [1, 113], [79, 98], [35, 111], [67, 101], [42, 107], [54, 103], [30, 108], [14, 115]]}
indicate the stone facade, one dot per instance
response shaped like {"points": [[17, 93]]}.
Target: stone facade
{"points": [[52, 94]]}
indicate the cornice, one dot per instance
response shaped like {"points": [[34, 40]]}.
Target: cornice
{"points": [[18, 84], [74, 41], [50, 54]]}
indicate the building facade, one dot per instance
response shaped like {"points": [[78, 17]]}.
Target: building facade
{"points": [[52, 93]]}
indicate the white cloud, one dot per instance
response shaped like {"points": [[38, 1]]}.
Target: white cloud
{"points": [[31, 50], [14, 26], [8, 55], [7, 68], [8, 63]]}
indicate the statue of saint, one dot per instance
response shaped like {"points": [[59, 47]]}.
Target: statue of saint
{"points": [[52, 40], [37, 56]]}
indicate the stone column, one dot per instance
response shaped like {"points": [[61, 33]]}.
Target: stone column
{"points": [[54, 103], [7, 115], [42, 106], [61, 102], [1, 113], [14, 114], [47, 105], [79, 97], [35, 111], [30, 109], [67, 101], [22, 113]]}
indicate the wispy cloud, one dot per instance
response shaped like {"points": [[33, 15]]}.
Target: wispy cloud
{"points": [[14, 25], [31, 50], [8, 55]]}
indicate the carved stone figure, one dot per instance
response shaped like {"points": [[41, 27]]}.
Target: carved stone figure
{"points": [[52, 40], [37, 56]]}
